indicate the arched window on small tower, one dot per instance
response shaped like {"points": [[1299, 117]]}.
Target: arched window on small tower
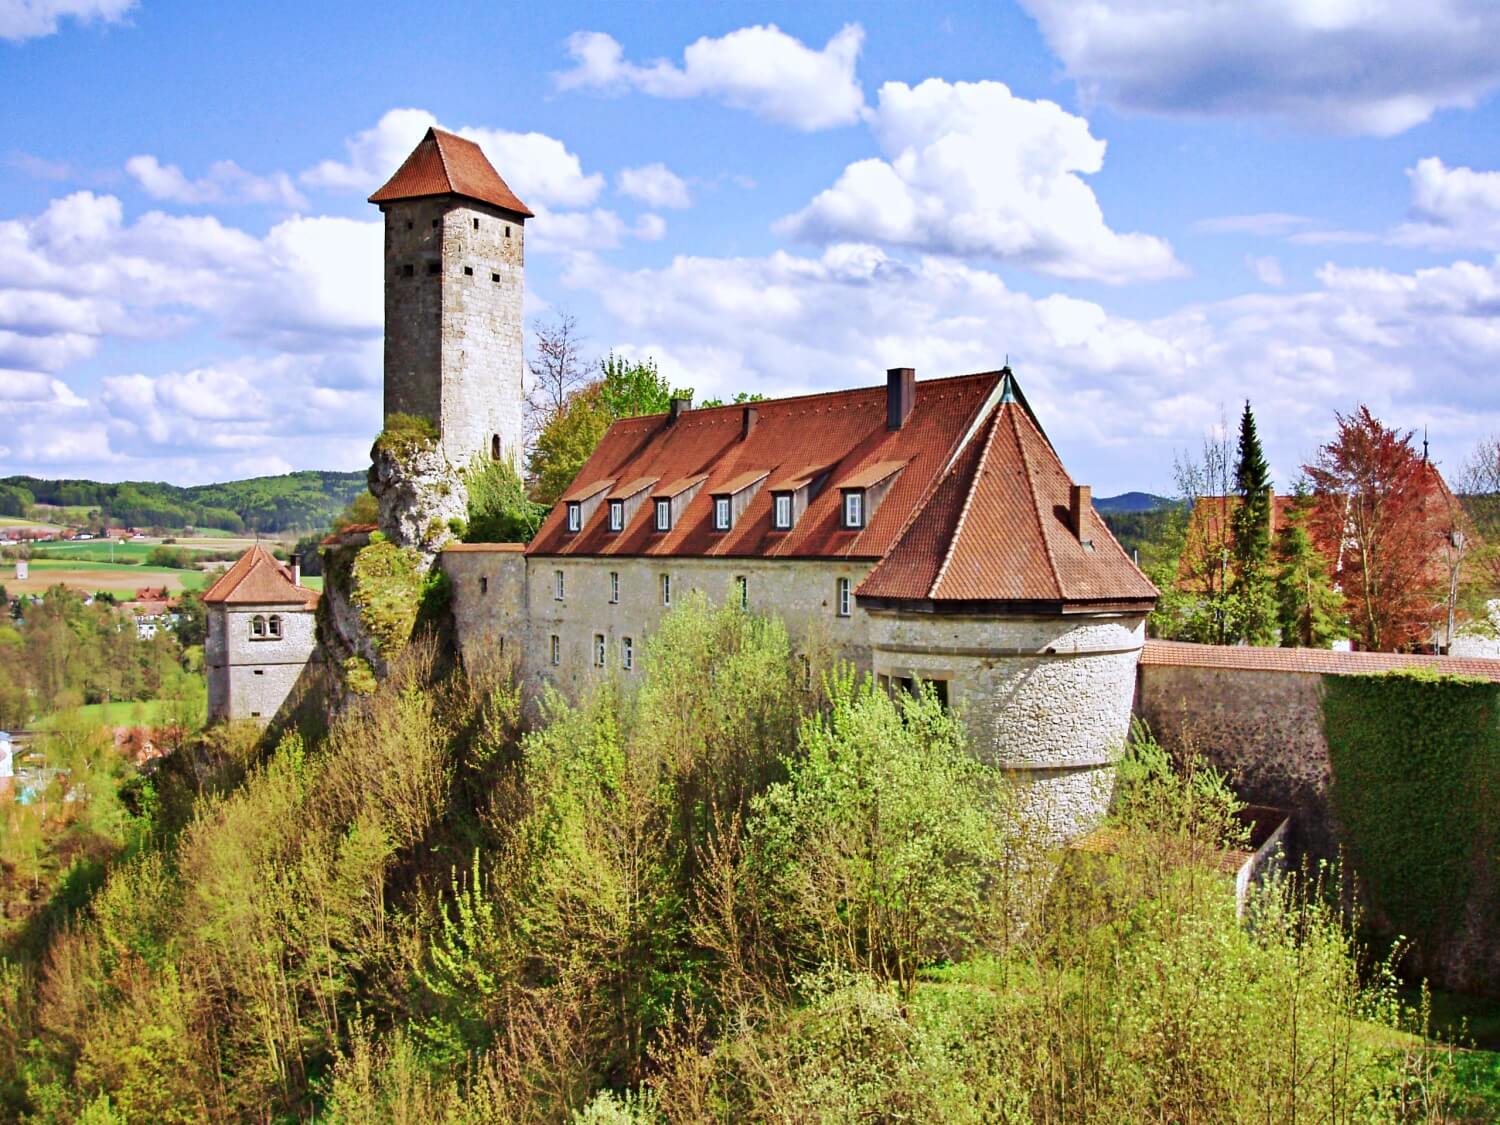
{"points": [[274, 625], [494, 447], [257, 626]]}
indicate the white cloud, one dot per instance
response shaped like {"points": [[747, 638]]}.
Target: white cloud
{"points": [[1452, 207], [31, 19], [1108, 388], [1260, 223], [226, 182], [1355, 66], [1266, 268], [655, 185], [539, 168], [760, 69], [974, 171]]}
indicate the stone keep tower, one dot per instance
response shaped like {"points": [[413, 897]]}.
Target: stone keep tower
{"points": [[454, 285]]}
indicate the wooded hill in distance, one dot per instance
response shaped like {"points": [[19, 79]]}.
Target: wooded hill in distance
{"points": [[306, 500]]}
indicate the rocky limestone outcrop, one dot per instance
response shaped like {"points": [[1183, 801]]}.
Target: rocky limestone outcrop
{"points": [[422, 497]]}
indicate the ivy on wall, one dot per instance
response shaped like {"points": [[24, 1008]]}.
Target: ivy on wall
{"points": [[1416, 776]]}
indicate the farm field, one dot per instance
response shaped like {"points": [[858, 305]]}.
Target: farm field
{"points": [[147, 712], [13, 521], [92, 576], [99, 550]]}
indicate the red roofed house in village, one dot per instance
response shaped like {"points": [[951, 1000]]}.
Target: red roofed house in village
{"points": [[260, 635]]}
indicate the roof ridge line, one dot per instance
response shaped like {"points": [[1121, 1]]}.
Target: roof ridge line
{"points": [[1036, 507], [963, 513], [437, 140]]}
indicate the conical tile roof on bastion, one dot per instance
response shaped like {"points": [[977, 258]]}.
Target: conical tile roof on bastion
{"points": [[446, 164], [977, 511]]}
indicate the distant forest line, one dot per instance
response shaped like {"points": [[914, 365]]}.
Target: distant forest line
{"points": [[306, 500]]}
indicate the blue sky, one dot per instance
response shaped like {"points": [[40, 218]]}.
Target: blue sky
{"points": [[1154, 210]]}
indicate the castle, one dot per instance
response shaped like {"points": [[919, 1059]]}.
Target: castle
{"points": [[922, 530]]}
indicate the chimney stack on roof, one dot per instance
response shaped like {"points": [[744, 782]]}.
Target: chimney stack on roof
{"points": [[1080, 500], [748, 417], [900, 395], [680, 406], [296, 561]]}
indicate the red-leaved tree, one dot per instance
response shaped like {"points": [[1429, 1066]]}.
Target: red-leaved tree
{"points": [[1380, 500]]}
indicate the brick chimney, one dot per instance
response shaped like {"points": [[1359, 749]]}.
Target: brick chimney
{"points": [[900, 395], [680, 406], [296, 561], [1080, 500], [748, 417]]}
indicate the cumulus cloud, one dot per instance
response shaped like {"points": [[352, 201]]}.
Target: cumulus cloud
{"points": [[974, 171], [31, 19], [1108, 387], [655, 185], [539, 168], [760, 69], [1452, 207], [226, 182], [1374, 67]]}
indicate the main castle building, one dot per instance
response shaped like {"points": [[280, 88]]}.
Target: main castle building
{"points": [[924, 530]]}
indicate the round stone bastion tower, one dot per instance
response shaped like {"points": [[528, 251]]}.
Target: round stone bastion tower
{"points": [[454, 284], [1009, 591]]}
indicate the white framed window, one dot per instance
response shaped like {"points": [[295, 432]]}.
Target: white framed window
{"points": [[556, 647], [721, 513], [616, 515], [854, 509], [846, 597], [614, 586], [575, 517], [559, 589], [627, 653], [273, 625], [666, 589], [781, 517], [664, 515], [598, 650], [257, 626], [742, 590]]}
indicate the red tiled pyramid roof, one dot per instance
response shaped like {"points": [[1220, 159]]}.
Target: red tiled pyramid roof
{"points": [[256, 578], [445, 164], [843, 431], [997, 529]]}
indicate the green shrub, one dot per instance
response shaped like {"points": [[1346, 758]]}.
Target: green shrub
{"points": [[405, 435], [387, 588], [499, 509]]}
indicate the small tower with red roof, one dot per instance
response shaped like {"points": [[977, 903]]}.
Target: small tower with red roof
{"points": [[454, 286]]}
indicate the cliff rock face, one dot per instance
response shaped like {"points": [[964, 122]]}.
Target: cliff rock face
{"points": [[422, 497]]}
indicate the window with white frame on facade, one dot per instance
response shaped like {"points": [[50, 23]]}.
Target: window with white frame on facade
{"points": [[742, 590], [627, 653], [614, 586], [854, 509], [575, 517], [666, 589], [782, 512], [846, 597], [558, 589], [257, 626], [598, 650], [556, 646], [664, 515], [616, 515], [273, 625], [721, 513]]}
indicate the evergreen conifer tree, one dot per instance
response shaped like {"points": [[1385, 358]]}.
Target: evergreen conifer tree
{"points": [[1308, 608], [1251, 536]]}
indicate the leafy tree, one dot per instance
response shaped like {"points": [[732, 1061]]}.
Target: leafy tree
{"points": [[499, 509], [363, 509], [1308, 608], [1373, 491], [630, 389], [740, 398], [1210, 609], [557, 369], [192, 621], [566, 442], [1250, 528]]}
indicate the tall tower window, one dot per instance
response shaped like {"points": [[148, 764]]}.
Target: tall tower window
{"points": [[494, 447]]}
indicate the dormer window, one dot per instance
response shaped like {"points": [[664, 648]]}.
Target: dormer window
{"points": [[781, 511], [664, 515], [616, 515], [575, 517], [733, 496], [721, 513], [854, 508]]}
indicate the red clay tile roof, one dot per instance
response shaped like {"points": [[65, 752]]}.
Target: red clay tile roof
{"points": [[258, 579], [580, 492], [872, 474], [1320, 661], [740, 483], [843, 430], [626, 491], [444, 164], [997, 529], [353, 529]]}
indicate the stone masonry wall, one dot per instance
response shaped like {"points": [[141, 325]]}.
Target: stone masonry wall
{"points": [[1264, 729], [250, 678]]}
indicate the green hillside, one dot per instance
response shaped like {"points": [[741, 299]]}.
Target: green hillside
{"points": [[300, 501]]}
